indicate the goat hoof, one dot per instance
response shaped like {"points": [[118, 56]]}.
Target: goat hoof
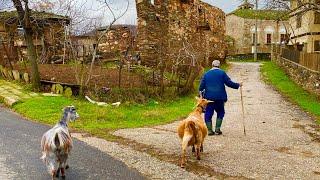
{"points": [[198, 158], [182, 166], [63, 177], [67, 166]]}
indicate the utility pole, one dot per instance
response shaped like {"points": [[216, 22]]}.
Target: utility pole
{"points": [[256, 34]]}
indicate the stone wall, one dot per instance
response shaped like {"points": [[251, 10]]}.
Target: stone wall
{"points": [[166, 27], [119, 39], [307, 78]]}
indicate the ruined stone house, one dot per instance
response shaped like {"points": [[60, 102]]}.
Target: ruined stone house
{"points": [[166, 27], [273, 28], [118, 40], [49, 33]]}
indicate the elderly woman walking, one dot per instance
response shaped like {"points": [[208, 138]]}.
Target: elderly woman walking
{"points": [[213, 88]]}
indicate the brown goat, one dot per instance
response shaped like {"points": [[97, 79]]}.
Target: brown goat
{"points": [[193, 130]]}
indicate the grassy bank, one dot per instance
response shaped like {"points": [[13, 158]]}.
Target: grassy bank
{"points": [[277, 77], [247, 60], [99, 120]]}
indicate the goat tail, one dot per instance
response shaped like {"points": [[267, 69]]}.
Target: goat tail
{"points": [[63, 141], [192, 127], [57, 141]]}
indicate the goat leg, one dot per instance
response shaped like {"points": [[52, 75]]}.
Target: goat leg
{"points": [[183, 154], [184, 146], [53, 174], [63, 176], [198, 151], [193, 149], [201, 148], [183, 159], [58, 172]]}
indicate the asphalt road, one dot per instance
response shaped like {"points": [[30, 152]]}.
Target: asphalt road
{"points": [[20, 154]]}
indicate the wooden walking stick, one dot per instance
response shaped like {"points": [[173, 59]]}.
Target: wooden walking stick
{"points": [[244, 126]]}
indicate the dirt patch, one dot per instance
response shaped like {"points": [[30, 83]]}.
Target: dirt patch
{"points": [[284, 150], [308, 154], [192, 164], [316, 172], [101, 77]]}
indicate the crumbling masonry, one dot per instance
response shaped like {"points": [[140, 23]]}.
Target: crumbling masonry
{"points": [[167, 26]]}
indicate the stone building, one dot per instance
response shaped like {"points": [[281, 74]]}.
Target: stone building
{"points": [[240, 25], [119, 39], [166, 27], [305, 22], [49, 33]]}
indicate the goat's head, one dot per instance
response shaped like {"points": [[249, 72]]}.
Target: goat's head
{"points": [[202, 102], [70, 113]]}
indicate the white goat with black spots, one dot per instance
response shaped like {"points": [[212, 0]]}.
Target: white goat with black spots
{"points": [[56, 144]]}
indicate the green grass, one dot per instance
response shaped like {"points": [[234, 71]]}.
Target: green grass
{"points": [[100, 120], [247, 60], [277, 77]]}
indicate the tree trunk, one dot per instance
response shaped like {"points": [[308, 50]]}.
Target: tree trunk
{"points": [[24, 18], [189, 86], [33, 59]]}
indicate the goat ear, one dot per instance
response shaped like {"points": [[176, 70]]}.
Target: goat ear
{"points": [[210, 101]]}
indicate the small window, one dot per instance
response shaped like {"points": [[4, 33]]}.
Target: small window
{"points": [[254, 38], [269, 38], [316, 18], [185, 1], [317, 45], [299, 20], [282, 38]]}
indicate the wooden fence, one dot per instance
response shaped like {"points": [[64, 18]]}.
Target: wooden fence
{"points": [[309, 60]]}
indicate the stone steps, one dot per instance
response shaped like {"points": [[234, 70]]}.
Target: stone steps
{"points": [[12, 93]]}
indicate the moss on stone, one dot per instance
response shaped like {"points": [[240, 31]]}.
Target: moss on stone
{"points": [[59, 89], [67, 92], [262, 14], [53, 88]]}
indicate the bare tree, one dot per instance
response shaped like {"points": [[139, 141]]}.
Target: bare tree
{"points": [[93, 24], [24, 16]]}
